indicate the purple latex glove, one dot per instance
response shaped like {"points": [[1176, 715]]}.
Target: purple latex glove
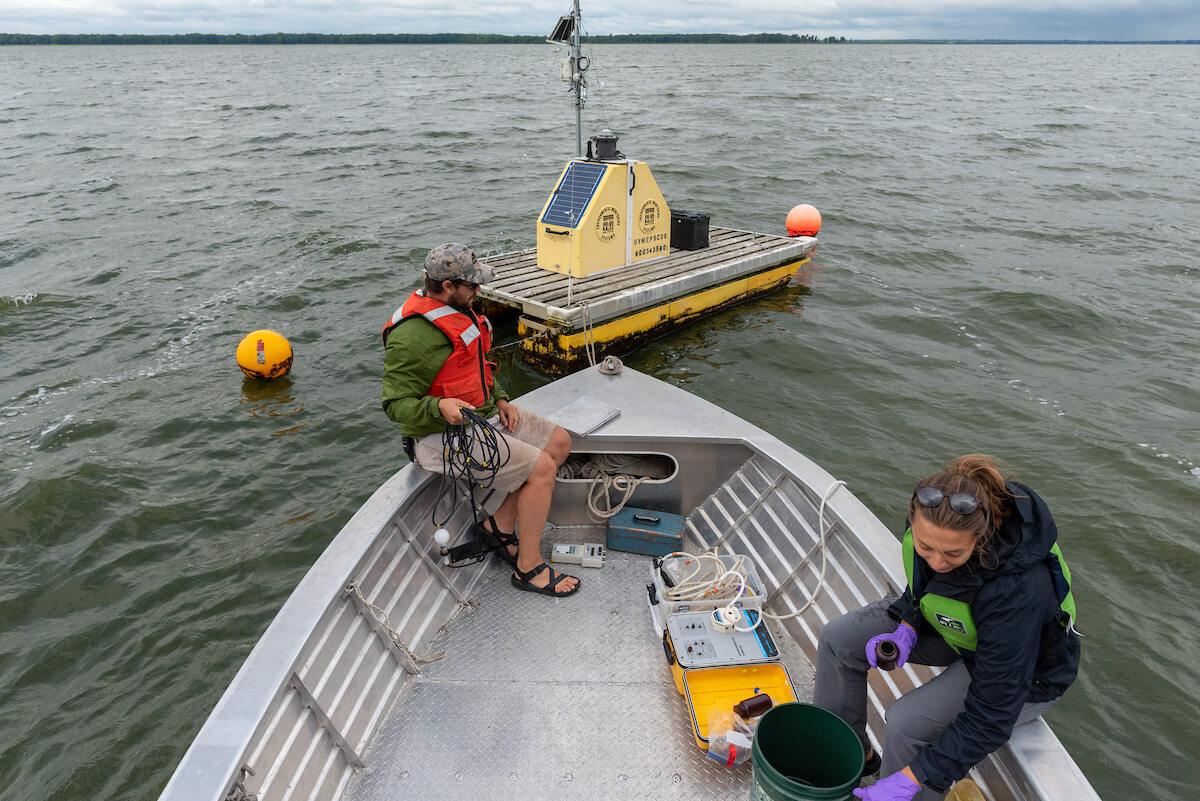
{"points": [[896, 787], [905, 637]]}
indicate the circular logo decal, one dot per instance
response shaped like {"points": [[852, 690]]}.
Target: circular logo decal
{"points": [[648, 216], [606, 223]]}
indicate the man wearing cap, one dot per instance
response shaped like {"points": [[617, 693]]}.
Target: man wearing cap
{"points": [[434, 366]]}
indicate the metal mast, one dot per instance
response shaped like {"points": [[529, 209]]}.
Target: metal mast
{"points": [[577, 79], [568, 31]]}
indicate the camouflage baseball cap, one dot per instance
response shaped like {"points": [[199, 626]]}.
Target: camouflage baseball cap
{"points": [[455, 262]]}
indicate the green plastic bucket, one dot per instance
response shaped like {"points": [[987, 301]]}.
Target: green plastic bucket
{"points": [[804, 753]]}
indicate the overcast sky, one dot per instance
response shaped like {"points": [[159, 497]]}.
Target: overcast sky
{"points": [[938, 19]]}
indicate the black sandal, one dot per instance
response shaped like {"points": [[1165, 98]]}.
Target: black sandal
{"points": [[522, 582], [872, 764], [497, 540]]}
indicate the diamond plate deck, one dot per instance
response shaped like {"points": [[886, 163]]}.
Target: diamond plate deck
{"points": [[551, 699]]}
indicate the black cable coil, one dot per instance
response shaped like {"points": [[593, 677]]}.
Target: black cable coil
{"points": [[474, 453]]}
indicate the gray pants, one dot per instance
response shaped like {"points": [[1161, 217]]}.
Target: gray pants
{"points": [[918, 717]]}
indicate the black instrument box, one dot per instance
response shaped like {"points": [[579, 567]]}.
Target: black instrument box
{"points": [[689, 229]]}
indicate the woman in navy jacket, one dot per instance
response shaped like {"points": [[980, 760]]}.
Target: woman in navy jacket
{"points": [[989, 597]]}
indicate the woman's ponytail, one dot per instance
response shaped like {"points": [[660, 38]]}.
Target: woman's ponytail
{"points": [[985, 471]]}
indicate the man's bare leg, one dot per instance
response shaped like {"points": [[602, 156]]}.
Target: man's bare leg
{"points": [[533, 506], [559, 446], [558, 449]]}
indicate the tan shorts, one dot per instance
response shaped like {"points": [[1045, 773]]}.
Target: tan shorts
{"points": [[525, 445]]}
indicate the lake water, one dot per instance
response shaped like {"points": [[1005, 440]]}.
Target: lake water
{"points": [[1010, 264]]}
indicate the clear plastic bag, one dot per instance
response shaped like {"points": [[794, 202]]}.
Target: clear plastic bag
{"points": [[729, 748], [729, 739]]}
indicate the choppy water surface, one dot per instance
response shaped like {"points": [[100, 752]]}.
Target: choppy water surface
{"points": [[1009, 264]]}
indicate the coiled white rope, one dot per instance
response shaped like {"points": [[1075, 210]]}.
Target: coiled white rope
{"points": [[711, 579], [610, 365], [708, 577], [601, 493], [700, 583], [605, 471]]}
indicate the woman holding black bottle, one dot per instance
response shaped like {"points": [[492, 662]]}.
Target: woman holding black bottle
{"points": [[989, 597]]}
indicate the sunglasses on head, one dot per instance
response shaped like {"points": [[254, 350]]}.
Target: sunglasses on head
{"points": [[964, 503]]}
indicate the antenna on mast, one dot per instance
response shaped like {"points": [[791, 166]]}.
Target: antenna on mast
{"points": [[568, 31]]}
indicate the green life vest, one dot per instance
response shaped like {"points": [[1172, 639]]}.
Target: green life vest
{"points": [[952, 618]]}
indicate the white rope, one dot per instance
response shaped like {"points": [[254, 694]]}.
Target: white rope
{"points": [[589, 335], [607, 476], [600, 492], [610, 366], [712, 579], [819, 547], [709, 577]]}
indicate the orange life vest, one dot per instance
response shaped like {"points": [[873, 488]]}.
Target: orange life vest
{"points": [[466, 374]]}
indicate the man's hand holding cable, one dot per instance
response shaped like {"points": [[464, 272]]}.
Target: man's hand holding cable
{"points": [[509, 416], [900, 786], [451, 410], [905, 638]]}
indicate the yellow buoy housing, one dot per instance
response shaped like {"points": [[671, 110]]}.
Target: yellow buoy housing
{"points": [[601, 215], [264, 354]]}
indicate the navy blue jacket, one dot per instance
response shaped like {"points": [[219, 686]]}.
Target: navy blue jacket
{"points": [[1024, 654]]}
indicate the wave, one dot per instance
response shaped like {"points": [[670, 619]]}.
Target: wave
{"points": [[447, 134], [263, 107], [266, 139], [14, 251], [1062, 126]]}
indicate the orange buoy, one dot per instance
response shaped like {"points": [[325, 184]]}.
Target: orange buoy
{"points": [[803, 220]]}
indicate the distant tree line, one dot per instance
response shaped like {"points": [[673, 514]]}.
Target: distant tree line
{"points": [[714, 38], [1029, 41], [400, 38]]}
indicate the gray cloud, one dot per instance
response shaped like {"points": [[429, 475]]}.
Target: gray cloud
{"points": [[1049, 19]]}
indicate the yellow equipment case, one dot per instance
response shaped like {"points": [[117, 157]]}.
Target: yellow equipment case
{"points": [[710, 690], [691, 643], [718, 689], [602, 214]]}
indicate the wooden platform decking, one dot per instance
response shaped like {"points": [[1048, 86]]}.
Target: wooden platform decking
{"points": [[565, 302]]}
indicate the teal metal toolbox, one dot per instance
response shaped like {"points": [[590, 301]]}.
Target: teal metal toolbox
{"points": [[645, 531]]}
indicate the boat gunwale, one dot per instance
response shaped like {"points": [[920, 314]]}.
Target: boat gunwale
{"points": [[227, 735]]}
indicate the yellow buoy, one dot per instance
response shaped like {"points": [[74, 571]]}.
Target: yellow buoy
{"points": [[264, 354]]}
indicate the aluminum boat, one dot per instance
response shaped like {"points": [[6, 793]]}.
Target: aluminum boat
{"points": [[387, 675]]}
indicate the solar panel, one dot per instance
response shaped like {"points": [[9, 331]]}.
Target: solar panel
{"points": [[573, 194]]}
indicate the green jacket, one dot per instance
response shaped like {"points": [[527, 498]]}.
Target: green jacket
{"points": [[415, 352]]}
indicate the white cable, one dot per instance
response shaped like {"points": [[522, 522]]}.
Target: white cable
{"points": [[821, 547], [710, 579], [610, 365], [699, 584], [731, 614]]}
